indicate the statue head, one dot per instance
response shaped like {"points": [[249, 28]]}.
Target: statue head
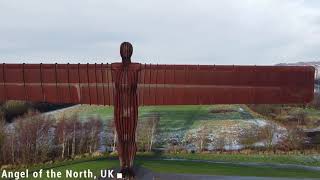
{"points": [[126, 50]]}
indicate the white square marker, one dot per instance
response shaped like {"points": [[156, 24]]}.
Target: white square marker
{"points": [[119, 175]]}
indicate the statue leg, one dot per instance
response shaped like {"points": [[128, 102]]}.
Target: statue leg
{"points": [[126, 116]]}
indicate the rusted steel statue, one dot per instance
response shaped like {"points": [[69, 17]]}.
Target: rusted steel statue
{"points": [[125, 76], [127, 85]]}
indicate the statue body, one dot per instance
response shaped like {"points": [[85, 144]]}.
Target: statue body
{"points": [[125, 78]]}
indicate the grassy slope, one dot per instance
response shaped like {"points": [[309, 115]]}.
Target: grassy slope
{"points": [[226, 169], [283, 114], [308, 160], [95, 165], [182, 118], [185, 117], [172, 117], [191, 168]]}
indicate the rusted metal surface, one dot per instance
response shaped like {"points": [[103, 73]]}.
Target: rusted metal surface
{"points": [[125, 78], [158, 84], [126, 111], [57, 83], [127, 85], [213, 84]]}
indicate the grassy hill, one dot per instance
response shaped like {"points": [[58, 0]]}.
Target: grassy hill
{"points": [[176, 121], [189, 167], [172, 117]]}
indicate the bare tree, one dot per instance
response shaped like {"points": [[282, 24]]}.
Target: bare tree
{"points": [[95, 129], [154, 123], [61, 133], [295, 138], [147, 132], [203, 137], [250, 136], [199, 137], [143, 135], [111, 135], [220, 141], [299, 116], [33, 136], [73, 135], [268, 133], [2, 137]]}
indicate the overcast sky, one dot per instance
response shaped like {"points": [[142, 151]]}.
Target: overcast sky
{"points": [[164, 31]]}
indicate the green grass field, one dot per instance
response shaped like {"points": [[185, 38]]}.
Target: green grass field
{"points": [[226, 169], [174, 118], [95, 165], [163, 166], [308, 160]]}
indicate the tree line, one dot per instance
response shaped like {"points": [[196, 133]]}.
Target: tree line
{"points": [[34, 138], [266, 139]]}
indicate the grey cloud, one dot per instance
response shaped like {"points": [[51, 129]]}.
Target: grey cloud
{"points": [[189, 31]]}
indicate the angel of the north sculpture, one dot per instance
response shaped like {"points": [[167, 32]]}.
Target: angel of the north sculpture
{"points": [[127, 85]]}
